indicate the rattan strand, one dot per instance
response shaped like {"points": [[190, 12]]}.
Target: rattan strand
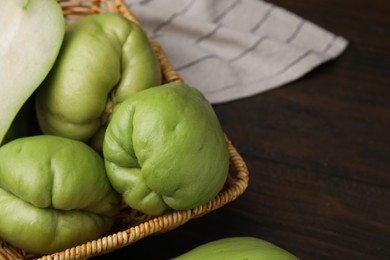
{"points": [[140, 225]]}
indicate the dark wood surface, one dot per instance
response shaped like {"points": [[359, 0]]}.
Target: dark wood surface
{"points": [[318, 151]]}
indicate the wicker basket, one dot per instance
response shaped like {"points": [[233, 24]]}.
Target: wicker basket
{"points": [[132, 225]]}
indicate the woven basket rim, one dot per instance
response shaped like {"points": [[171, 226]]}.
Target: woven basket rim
{"points": [[235, 186]]}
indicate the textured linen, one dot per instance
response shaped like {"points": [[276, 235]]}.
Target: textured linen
{"points": [[231, 49]]}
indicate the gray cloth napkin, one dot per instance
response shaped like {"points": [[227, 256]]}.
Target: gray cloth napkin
{"points": [[231, 49]]}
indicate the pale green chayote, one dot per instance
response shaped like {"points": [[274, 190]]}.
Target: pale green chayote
{"points": [[54, 194], [164, 149], [237, 248], [105, 58]]}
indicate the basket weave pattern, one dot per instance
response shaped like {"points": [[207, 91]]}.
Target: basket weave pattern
{"points": [[132, 225]]}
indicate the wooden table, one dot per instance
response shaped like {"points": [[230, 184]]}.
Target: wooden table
{"points": [[318, 151]]}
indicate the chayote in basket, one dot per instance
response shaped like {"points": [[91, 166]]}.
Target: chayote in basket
{"points": [[54, 194], [164, 149], [104, 59]]}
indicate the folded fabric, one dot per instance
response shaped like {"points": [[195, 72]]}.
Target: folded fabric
{"points": [[231, 49]]}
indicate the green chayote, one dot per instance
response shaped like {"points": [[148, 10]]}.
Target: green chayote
{"points": [[104, 59], [54, 194], [237, 248], [164, 149]]}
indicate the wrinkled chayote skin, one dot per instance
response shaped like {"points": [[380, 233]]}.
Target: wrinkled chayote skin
{"points": [[237, 248], [164, 149], [54, 194], [104, 59]]}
